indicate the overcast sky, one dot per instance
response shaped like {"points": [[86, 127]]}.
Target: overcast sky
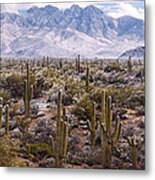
{"points": [[115, 9]]}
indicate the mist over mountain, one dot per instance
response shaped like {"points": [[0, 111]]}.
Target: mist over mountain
{"points": [[49, 31]]}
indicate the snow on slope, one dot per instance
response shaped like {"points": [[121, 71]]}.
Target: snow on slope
{"points": [[51, 32]]}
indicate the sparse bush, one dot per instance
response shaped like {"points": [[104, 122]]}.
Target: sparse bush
{"points": [[9, 154], [5, 95], [84, 108], [40, 149], [15, 84]]}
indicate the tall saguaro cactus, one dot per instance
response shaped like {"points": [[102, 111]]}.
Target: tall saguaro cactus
{"points": [[129, 64], [93, 126], [7, 120], [78, 64], [108, 139], [87, 79], [1, 113], [62, 133], [58, 133], [65, 139], [28, 90]]}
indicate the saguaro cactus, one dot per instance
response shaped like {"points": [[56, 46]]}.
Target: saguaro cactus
{"points": [[93, 126], [65, 142], [62, 134], [1, 113], [78, 64], [103, 113], [87, 79], [28, 91], [134, 143], [108, 139], [58, 133], [129, 64], [7, 120]]}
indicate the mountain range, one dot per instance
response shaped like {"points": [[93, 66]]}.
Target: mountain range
{"points": [[137, 53], [49, 31]]}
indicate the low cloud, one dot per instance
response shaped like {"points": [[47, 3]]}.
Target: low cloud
{"points": [[127, 9]]}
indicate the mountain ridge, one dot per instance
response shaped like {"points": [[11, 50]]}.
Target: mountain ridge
{"points": [[107, 33]]}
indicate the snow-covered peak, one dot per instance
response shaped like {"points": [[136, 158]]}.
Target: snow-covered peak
{"points": [[73, 28]]}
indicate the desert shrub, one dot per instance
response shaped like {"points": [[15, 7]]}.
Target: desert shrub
{"points": [[126, 96], [40, 149], [84, 108], [15, 84], [74, 88], [5, 95], [112, 67], [39, 86], [100, 77], [9, 154]]}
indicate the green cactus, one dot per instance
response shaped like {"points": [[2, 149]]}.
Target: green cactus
{"points": [[65, 142], [7, 120], [22, 69], [93, 126], [87, 79], [134, 143], [103, 121], [108, 139], [62, 134], [78, 64], [28, 92], [60, 64], [1, 113], [58, 133], [26, 98], [129, 64]]}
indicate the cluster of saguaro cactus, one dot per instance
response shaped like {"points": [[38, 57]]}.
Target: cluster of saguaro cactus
{"points": [[28, 91], [62, 134], [108, 139], [134, 143]]}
